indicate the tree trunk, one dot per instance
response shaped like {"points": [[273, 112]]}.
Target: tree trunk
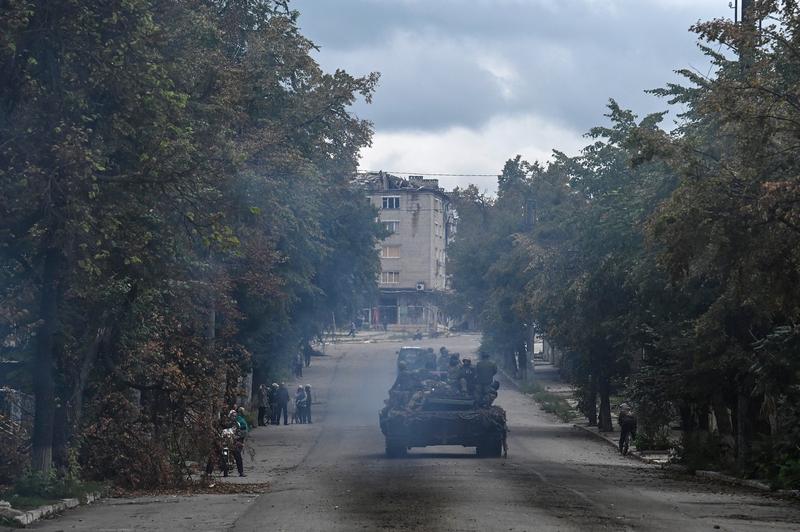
{"points": [[605, 424], [702, 418], [687, 417], [742, 430], [61, 435], [725, 430], [42, 370], [591, 402], [523, 362]]}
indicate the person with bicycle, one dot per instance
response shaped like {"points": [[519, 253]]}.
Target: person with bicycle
{"points": [[627, 426]]}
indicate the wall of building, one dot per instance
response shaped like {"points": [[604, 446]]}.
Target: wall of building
{"points": [[420, 214], [420, 238]]}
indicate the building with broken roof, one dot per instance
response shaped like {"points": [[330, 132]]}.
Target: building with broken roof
{"points": [[421, 222]]}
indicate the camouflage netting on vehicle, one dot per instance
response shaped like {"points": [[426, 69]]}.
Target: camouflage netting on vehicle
{"points": [[492, 418]]}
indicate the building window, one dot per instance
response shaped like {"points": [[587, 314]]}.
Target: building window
{"points": [[391, 202], [392, 226], [390, 252], [390, 277]]}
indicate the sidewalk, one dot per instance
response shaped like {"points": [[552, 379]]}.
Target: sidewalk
{"points": [[546, 375]]}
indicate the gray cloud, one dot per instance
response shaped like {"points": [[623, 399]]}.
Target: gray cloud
{"points": [[565, 58]]}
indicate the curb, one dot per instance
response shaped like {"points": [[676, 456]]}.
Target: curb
{"points": [[756, 484], [711, 475], [633, 454], [28, 517]]}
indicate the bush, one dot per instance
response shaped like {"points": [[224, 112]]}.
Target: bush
{"points": [[789, 474], [700, 450], [13, 456], [49, 485], [550, 402]]}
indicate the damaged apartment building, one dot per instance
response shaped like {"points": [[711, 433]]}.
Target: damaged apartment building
{"points": [[418, 214]]}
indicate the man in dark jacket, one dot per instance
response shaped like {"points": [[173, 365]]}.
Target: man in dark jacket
{"points": [[283, 403], [308, 403], [272, 400], [485, 371]]}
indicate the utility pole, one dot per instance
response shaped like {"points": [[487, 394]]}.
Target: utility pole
{"points": [[748, 22], [745, 382], [747, 10]]}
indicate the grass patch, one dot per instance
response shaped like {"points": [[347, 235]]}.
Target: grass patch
{"points": [[23, 502], [550, 402], [35, 489]]}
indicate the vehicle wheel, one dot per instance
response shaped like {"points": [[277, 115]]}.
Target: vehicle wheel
{"points": [[395, 449]]}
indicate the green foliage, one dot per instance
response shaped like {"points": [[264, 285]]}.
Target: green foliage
{"points": [[33, 487], [176, 212], [550, 402], [666, 263]]}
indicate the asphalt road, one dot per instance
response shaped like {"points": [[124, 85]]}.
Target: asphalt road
{"points": [[332, 476]]}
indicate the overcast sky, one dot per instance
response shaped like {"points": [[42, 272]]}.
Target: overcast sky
{"points": [[467, 84]]}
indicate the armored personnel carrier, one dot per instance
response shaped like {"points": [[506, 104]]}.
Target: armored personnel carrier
{"points": [[425, 411]]}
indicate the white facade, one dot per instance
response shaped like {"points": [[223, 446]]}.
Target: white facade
{"points": [[413, 258]]}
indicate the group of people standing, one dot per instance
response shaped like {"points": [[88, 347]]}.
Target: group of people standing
{"points": [[275, 402]]}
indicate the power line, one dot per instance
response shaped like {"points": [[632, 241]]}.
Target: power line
{"points": [[426, 173]]}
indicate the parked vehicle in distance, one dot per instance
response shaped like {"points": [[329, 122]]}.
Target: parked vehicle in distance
{"points": [[415, 357]]}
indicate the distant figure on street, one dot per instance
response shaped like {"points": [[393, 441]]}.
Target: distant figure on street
{"points": [[297, 366], [627, 426], [485, 370], [352, 332], [223, 446], [272, 397], [241, 421], [403, 380], [263, 404], [466, 377], [299, 405], [443, 360], [309, 400], [283, 404], [307, 352], [233, 437]]}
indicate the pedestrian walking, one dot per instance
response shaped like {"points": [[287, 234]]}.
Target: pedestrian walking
{"points": [[263, 404], [352, 332], [307, 351], [283, 403], [309, 400], [627, 426]]}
